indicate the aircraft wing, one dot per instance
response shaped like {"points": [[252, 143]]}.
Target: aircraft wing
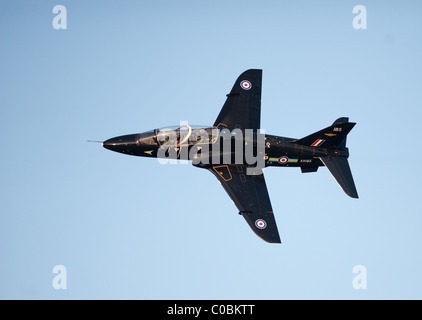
{"points": [[250, 195], [242, 108]]}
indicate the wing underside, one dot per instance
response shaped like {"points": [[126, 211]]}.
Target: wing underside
{"points": [[250, 195], [242, 108]]}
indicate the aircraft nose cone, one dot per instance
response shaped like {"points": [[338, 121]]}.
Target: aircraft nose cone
{"points": [[122, 144]]}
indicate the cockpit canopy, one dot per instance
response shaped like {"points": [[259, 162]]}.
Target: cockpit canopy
{"points": [[186, 135], [180, 136]]}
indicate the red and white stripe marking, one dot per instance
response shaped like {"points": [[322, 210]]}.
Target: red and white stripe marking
{"points": [[317, 143]]}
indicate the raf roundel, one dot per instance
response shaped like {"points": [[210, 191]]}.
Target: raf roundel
{"points": [[245, 85], [283, 160], [260, 224]]}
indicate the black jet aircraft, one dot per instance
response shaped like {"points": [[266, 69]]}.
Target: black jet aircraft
{"points": [[241, 112]]}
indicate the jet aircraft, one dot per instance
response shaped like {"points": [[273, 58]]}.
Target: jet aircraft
{"points": [[242, 112]]}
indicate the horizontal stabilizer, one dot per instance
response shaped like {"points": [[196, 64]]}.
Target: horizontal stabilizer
{"points": [[340, 169]]}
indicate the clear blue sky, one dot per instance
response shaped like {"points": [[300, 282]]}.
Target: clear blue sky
{"points": [[127, 227]]}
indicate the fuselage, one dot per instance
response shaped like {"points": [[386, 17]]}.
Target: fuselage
{"points": [[213, 146]]}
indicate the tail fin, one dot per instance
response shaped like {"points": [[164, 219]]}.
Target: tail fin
{"points": [[333, 136], [340, 169]]}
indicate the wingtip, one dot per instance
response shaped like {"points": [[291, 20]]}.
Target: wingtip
{"points": [[352, 194], [274, 239]]}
